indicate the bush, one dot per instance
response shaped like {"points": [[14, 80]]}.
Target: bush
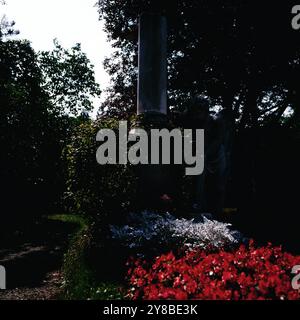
{"points": [[244, 274], [92, 188], [80, 279], [76, 272], [165, 231]]}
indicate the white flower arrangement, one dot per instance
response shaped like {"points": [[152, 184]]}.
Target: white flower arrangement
{"points": [[164, 229]]}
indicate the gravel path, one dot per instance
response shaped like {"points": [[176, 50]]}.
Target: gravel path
{"points": [[33, 261], [49, 290]]}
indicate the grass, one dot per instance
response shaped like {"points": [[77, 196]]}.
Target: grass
{"points": [[80, 282], [80, 221]]}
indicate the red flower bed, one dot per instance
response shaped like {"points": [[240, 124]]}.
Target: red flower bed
{"points": [[247, 273]]}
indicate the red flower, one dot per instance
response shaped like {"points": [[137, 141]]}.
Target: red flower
{"points": [[226, 276], [246, 273]]}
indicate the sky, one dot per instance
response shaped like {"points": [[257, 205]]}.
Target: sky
{"points": [[70, 21]]}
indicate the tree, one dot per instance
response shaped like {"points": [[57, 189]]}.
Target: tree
{"points": [[24, 128], [244, 55], [68, 79], [6, 27], [35, 126]]}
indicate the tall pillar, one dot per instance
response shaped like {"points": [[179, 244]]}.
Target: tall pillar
{"points": [[152, 107], [152, 78]]}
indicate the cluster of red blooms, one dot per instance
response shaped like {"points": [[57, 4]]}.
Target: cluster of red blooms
{"points": [[247, 273]]}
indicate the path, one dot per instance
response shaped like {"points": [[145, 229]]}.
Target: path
{"points": [[33, 261]]}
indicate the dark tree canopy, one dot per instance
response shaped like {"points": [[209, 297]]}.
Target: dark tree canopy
{"points": [[34, 125], [243, 54]]}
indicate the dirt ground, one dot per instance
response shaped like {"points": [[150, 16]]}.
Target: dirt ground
{"points": [[33, 260]]}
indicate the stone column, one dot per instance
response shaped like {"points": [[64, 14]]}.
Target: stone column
{"points": [[152, 107], [152, 78]]}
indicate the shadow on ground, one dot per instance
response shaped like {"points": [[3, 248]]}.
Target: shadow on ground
{"points": [[33, 255]]}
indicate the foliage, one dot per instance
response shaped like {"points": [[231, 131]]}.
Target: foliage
{"points": [[94, 189], [68, 79], [79, 278], [244, 274], [24, 126], [6, 27], [244, 64], [34, 129], [164, 230], [107, 291]]}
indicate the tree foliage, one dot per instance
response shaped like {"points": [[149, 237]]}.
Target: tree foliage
{"points": [[68, 79], [34, 125], [244, 55], [6, 27], [92, 189]]}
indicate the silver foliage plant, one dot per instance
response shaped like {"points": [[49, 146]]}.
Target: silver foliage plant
{"points": [[164, 229]]}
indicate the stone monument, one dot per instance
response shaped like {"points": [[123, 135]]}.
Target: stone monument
{"points": [[152, 109]]}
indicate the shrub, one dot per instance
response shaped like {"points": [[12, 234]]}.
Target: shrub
{"points": [[76, 273], [164, 230], [80, 279], [93, 188], [246, 273]]}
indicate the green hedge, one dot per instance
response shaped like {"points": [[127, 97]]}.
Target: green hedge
{"points": [[92, 189]]}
